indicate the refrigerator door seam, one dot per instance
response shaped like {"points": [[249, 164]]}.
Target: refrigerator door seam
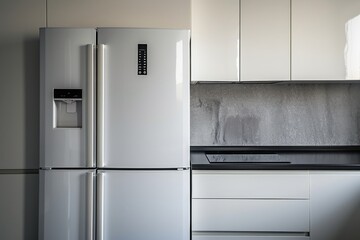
{"points": [[146, 169]]}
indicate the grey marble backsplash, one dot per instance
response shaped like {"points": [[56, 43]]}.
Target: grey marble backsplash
{"points": [[275, 114]]}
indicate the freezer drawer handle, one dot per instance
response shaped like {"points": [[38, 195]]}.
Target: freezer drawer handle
{"points": [[100, 206], [183, 168], [90, 206]]}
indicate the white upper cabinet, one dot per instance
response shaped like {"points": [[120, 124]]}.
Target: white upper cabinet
{"points": [[215, 40], [325, 39], [261, 54], [275, 40], [265, 40]]}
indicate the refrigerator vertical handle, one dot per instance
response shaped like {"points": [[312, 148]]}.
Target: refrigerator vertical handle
{"points": [[90, 206], [90, 106], [100, 104], [100, 206]]}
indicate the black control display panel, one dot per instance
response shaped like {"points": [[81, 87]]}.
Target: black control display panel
{"points": [[142, 59], [67, 93]]}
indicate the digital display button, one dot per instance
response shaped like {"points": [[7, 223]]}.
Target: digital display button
{"points": [[142, 59]]}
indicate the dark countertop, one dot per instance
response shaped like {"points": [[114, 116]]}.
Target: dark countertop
{"points": [[275, 157]]}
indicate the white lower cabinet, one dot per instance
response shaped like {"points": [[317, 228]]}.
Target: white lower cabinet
{"points": [[250, 215], [250, 184], [254, 205], [276, 205], [335, 205], [244, 237]]}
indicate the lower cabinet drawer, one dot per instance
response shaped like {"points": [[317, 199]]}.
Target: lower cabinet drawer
{"points": [[251, 184], [250, 215], [244, 237]]}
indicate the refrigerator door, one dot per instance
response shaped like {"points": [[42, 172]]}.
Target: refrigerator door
{"points": [[143, 205], [146, 117], [66, 204], [65, 63]]}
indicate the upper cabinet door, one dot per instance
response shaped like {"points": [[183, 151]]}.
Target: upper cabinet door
{"points": [[265, 40], [215, 40], [325, 39]]}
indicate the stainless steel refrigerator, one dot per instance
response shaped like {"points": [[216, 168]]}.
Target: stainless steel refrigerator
{"points": [[114, 134]]}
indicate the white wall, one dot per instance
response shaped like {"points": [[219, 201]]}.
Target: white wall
{"points": [[19, 81], [119, 13]]}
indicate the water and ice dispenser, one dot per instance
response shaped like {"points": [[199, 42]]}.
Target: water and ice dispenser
{"points": [[68, 108]]}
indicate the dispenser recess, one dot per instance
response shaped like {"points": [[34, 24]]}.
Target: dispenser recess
{"points": [[68, 108]]}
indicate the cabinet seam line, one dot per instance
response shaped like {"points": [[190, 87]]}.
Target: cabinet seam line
{"points": [[290, 38], [46, 13]]}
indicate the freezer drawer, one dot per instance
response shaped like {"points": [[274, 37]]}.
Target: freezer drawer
{"points": [[143, 205], [66, 204]]}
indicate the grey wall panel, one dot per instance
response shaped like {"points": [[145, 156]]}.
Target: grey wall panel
{"points": [[125, 13], [298, 114], [19, 82], [19, 206]]}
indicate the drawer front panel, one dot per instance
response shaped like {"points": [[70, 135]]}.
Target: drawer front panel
{"points": [[251, 184], [244, 237], [250, 215]]}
